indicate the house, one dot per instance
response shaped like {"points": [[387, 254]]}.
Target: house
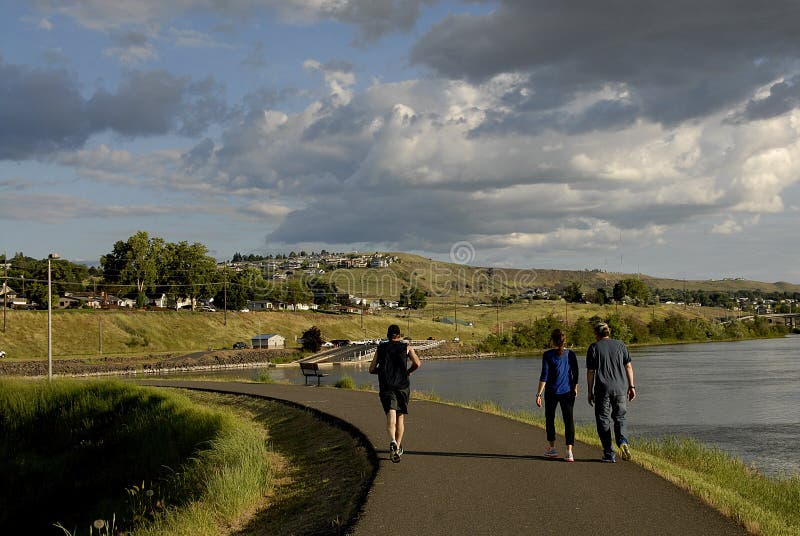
{"points": [[260, 305], [115, 301], [268, 341], [7, 295], [65, 302], [184, 303]]}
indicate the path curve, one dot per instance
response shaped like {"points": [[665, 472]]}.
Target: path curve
{"points": [[471, 473]]}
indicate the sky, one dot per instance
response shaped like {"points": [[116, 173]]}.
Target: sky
{"points": [[634, 136]]}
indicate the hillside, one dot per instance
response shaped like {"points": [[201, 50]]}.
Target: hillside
{"points": [[446, 281], [82, 333]]}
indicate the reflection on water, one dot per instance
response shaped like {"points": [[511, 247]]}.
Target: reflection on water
{"points": [[741, 397]]}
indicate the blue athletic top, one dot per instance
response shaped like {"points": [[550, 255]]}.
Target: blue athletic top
{"points": [[559, 371]]}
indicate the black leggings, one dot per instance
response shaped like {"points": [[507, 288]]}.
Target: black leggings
{"points": [[567, 401]]}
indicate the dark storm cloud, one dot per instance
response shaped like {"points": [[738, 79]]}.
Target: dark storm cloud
{"points": [[42, 111], [375, 18], [601, 115], [679, 59], [156, 102], [401, 218], [783, 96]]}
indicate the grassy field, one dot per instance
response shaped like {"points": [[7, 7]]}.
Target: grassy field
{"points": [[83, 333], [73, 453]]}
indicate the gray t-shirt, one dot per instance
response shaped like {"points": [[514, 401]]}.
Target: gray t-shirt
{"points": [[608, 357]]}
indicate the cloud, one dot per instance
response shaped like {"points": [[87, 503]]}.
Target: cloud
{"points": [[43, 111], [783, 97], [373, 18], [40, 112], [677, 60], [131, 48], [256, 58], [58, 208]]}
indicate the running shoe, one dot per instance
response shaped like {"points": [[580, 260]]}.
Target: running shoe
{"points": [[625, 452], [394, 455], [550, 452], [569, 457], [609, 458]]}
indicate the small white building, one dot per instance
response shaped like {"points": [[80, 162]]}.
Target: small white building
{"points": [[268, 341]]}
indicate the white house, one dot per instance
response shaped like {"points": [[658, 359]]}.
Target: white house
{"points": [[269, 341]]}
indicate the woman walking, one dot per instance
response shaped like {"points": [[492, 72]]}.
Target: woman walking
{"points": [[559, 385]]}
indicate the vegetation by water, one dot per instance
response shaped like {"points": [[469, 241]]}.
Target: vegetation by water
{"points": [[75, 452], [763, 505], [629, 329]]}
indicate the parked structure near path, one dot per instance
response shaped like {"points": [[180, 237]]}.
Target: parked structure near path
{"points": [[269, 340]]}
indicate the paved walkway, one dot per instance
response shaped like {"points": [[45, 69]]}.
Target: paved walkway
{"points": [[469, 473]]}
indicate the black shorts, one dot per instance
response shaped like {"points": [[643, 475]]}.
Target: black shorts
{"points": [[396, 399]]}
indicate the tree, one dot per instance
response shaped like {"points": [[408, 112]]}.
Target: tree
{"points": [[634, 289], [312, 339], [135, 262], [324, 292], [189, 271], [572, 293], [414, 298], [239, 288]]}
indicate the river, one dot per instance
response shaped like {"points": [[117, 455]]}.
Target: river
{"points": [[742, 397]]}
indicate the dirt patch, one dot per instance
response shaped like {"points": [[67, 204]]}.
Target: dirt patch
{"points": [[144, 364]]}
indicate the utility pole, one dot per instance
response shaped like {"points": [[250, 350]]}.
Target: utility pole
{"points": [[455, 315], [100, 333], [5, 290], [225, 296]]}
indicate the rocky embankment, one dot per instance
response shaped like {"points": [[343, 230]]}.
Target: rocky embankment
{"points": [[144, 364]]}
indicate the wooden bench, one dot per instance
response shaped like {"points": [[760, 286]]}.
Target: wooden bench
{"points": [[310, 370]]}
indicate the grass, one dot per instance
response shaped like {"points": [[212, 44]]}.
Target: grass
{"points": [[78, 333], [104, 450], [345, 382], [322, 475], [763, 505]]}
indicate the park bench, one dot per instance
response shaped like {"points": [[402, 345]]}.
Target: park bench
{"points": [[311, 370]]}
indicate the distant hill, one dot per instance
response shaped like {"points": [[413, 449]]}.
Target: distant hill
{"points": [[475, 283]]}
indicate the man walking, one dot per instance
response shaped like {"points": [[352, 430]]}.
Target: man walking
{"points": [[609, 373], [391, 365]]}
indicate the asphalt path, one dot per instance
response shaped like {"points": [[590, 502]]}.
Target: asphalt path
{"points": [[469, 473]]}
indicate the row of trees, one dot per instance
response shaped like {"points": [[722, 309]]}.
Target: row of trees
{"points": [[674, 328], [28, 277], [150, 264]]}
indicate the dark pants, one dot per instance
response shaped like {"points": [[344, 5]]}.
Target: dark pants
{"points": [[607, 409], [567, 402]]}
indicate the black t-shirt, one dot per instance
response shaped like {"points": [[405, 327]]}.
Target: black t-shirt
{"points": [[392, 365]]}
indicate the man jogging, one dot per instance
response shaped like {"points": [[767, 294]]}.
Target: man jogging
{"points": [[391, 365], [609, 373]]}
